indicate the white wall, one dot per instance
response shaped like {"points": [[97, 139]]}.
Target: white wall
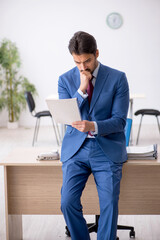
{"points": [[42, 29]]}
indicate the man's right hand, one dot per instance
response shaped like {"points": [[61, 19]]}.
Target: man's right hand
{"points": [[85, 77]]}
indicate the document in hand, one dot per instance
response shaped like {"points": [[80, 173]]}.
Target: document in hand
{"points": [[142, 152], [64, 111]]}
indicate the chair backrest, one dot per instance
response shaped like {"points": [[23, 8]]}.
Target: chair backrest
{"points": [[30, 101], [128, 130]]}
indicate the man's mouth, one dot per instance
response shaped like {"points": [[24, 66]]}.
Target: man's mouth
{"points": [[88, 70]]}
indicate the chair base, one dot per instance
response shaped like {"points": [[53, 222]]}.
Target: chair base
{"points": [[68, 233], [93, 227]]}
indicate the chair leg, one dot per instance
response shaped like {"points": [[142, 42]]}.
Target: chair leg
{"points": [[56, 135], [35, 132], [139, 130], [132, 231], [158, 123], [37, 129], [93, 227]]}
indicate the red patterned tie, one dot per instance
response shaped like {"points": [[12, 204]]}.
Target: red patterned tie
{"points": [[90, 90]]}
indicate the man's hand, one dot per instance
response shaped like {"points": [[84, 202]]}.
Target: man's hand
{"points": [[85, 77], [84, 126]]}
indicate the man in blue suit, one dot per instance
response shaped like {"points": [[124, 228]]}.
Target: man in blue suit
{"points": [[96, 144]]}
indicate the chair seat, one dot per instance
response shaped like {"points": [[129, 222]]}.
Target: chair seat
{"points": [[43, 114], [153, 112], [31, 104]]}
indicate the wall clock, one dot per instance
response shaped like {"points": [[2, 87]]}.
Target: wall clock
{"points": [[114, 20]]}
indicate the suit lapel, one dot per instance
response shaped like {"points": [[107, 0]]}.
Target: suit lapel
{"points": [[101, 78], [76, 79]]}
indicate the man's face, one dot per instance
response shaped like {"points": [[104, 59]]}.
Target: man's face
{"points": [[86, 61]]}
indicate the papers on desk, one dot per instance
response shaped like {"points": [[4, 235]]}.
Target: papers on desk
{"points": [[53, 155], [142, 152], [64, 111]]}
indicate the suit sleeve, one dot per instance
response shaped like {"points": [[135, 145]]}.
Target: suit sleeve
{"points": [[64, 92], [116, 123]]}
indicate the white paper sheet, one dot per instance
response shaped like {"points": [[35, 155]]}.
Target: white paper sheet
{"points": [[142, 152], [140, 149], [53, 155], [64, 111]]}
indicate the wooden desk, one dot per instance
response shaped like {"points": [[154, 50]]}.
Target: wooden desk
{"points": [[33, 187]]}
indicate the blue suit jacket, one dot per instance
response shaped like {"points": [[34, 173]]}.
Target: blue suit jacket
{"points": [[109, 107]]}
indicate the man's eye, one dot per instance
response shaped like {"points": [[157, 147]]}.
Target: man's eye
{"points": [[88, 60]]}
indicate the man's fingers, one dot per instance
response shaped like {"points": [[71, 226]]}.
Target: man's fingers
{"points": [[77, 122], [80, 125], [86, 73]]}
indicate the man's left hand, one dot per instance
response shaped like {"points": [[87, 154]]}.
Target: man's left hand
{"points": [[84, 126]]}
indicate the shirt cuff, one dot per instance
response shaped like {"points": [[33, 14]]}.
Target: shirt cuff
{"points": [[84, 95], [96, 129]]}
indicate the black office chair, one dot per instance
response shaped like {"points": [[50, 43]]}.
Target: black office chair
{"points": [[142, 112], [38, 115], [93, 227]]}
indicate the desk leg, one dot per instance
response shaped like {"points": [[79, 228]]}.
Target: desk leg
{"points": [[14, 230], [15, 227]]}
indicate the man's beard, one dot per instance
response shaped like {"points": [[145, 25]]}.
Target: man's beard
{"points": [[89, 70]]}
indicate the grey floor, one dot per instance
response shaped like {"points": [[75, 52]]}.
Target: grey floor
{"points": [[52, 227]]}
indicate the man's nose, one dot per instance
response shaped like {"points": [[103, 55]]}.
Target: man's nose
{"points": [[83, 66]]}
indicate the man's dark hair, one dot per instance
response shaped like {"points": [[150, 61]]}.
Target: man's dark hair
{"points": [[81, 43]]}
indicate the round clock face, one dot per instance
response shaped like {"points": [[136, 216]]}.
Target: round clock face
{"points": [[114, 20]]}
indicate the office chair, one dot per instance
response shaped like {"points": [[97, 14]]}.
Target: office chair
{"points": [[93, 227], [142, 112], [39, 115]]}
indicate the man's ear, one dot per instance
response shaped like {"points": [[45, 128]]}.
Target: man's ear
{"points": [[97, 53]]}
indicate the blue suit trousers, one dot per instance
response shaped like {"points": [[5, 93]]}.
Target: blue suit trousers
{"points": [[107, 175]]}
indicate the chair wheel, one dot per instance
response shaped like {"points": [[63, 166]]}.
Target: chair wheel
{"points": [[132, 234], [67, 232]]}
